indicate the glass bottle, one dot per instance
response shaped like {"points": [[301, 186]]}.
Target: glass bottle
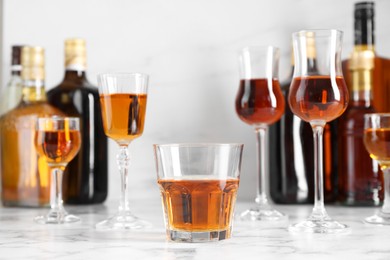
{"points": [[12, 94], [364, 37], [291, 152], [360, 182], [85, 178], [25, 175]]}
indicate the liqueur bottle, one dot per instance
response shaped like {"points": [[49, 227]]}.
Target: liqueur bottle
{"points": [[85, 178], [12, 94], [364, 36], [25, 175], [360, 180], [291, 153]]}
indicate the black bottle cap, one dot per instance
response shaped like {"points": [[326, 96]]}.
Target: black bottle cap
{"points": [[364, 10], [364, 23], [16, 58]]}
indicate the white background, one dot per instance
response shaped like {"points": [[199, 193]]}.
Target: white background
{"points": [[190, 50]]}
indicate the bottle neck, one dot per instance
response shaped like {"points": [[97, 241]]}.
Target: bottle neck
{"points": [[75, 75], [362, 86], [16, 70], [33, 91], [364, 32]]}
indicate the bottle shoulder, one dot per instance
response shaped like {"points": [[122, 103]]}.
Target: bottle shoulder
{"points": [[353, 117], [25, 114]]}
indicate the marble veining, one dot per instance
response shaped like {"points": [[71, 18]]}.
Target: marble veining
{"points": [[21, 238]]}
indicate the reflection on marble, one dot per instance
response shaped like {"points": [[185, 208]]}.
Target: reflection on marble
{"points": [[21, 238]]}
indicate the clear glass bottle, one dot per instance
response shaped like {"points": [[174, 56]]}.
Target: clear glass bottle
{"points": [[85, 178], [25, 175], [12, 94]]}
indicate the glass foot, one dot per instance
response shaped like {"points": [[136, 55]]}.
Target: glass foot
{"points": [[262, 214], [55, 217], [378, 219], [123, 221], [198, 237], [319, 225]]}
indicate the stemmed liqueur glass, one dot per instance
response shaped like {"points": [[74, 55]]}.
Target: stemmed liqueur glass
{"points": [[260, 103], [58, 140], [123, 99], [318, 94], [377, 142]]}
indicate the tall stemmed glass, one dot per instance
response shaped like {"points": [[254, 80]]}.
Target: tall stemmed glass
{"points": [[377, 142], [58, 140], [260, 103], [318, 94], [123, 103]]}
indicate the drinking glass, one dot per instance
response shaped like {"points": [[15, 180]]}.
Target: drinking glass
{"points": [[260, 103], [123, 99], [377, 143], [198, 184], [318, 94], [58, 140]]}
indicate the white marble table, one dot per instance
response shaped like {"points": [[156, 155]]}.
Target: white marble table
{"points": [[21, 238]]}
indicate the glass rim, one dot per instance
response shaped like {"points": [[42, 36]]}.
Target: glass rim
{"points": [[58, 118], [316, 33], [376, 115], [123, 74], [264, 48], [199, 145]]}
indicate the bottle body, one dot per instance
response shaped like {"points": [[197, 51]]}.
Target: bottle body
{"points": [[361, 180], [25, 175], [85, 179], [291, 154]]}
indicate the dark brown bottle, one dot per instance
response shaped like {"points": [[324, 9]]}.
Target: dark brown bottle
{"points": [[360, 182], [85, 179], [291, 155]]}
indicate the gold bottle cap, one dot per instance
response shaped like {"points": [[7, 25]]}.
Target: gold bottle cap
{"points": [[75, 54], [33, 63]]}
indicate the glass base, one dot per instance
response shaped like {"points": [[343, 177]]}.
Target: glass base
{"points": [[378, 219], [262, 214], [197, 237], [123, 221], [57, 217], [319, 225]]}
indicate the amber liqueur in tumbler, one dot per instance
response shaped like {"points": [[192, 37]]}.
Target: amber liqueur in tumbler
{"points": [[196, 205], [85, 178], [25, 174], [291, 152], [360, 177]]}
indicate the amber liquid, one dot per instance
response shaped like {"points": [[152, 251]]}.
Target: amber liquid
{"points": [[318, 98], [199, 205], [377, 142], [123, 116], [59, 147], [291, 156], [257, 102], [25, 174], [85, 178]]}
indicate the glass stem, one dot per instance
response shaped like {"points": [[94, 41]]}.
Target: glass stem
{"points": [[319, 208], [386, 201], [56, 203], [261, 198], [123, 161]]}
